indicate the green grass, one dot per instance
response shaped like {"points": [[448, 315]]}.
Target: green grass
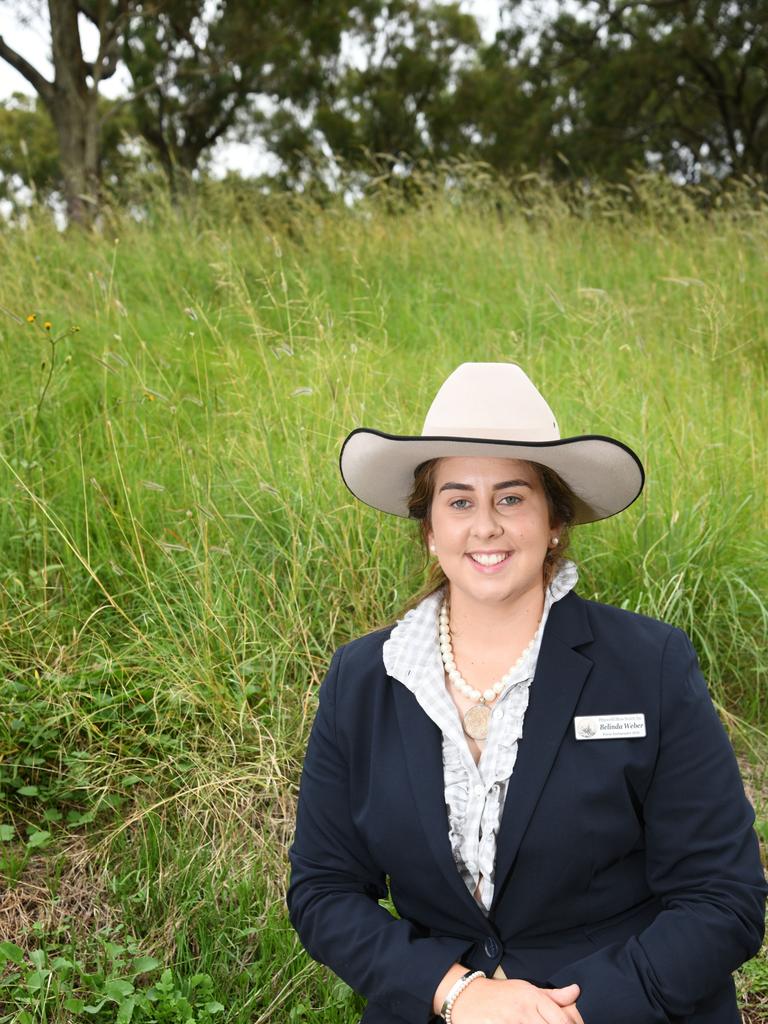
{"points": [[179, 558]]}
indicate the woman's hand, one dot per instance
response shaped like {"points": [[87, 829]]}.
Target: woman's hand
{"points": [[494, 1001]]}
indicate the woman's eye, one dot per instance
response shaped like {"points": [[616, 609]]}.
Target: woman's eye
{"points": [[460, 503], [510, 499]]}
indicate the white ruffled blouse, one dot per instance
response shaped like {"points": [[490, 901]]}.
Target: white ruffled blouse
{"points": [[474, 793]]}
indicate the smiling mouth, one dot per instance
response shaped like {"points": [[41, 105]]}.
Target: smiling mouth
{"points": [[490, 559]]}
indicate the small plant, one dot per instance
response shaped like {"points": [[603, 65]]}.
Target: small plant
{"points": [[13, 857], [755, 974], [28, 462], [752, 987], [108, 980], [46, 328]]}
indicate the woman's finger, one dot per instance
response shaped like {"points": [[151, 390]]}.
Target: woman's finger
{"points": [[551, 1013], [565, 995]]}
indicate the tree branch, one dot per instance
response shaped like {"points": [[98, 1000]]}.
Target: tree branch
{"points": [[108, 66], [713, 75], [87, 10], [655, 5], [746, 66], [41, 84], [109, 41], [756, 115], [117, 105]]}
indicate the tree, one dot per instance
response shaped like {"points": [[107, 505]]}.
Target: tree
{"points": [[195, 68], [507, 109], [683, 82], [72, 97], [29, 156], [394, 101], [29, 152], [197, 79]]}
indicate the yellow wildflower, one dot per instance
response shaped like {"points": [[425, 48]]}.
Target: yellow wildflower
{"points": [[31, 318], [47, 325]]}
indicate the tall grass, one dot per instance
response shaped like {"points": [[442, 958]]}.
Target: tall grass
{"points": [[179, 557]]}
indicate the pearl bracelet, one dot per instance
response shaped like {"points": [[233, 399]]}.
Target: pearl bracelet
{"points": [[455, 991]]}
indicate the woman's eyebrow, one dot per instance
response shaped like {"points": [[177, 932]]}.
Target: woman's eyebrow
{"points": [[510, 483], [496, 487]]}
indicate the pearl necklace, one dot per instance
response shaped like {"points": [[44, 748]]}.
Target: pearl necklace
{"points": [[477, 718]]}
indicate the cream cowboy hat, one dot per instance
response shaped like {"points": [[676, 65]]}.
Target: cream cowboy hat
{"points": [[492, 409]]}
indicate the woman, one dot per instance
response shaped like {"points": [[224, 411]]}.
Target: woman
{"points": [[542, 779]]}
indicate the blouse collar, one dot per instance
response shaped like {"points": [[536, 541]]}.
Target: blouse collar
{"points": [[411, 652]]}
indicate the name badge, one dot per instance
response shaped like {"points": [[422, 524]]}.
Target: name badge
{"points": [[609, 727]]}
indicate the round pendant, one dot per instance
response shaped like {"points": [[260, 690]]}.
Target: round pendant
{"points": [[476, 721]]}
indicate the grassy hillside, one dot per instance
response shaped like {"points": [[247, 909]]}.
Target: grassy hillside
{"points": [[179, 557]]}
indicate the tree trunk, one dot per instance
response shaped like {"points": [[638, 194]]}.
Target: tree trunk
{"points": [[74, 109], [78, 134], [72, 104]]}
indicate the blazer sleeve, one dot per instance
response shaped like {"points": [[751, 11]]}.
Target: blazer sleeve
{"points": [[702, 862], [335, 887]]}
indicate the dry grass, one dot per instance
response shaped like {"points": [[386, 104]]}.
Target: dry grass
{"points": [[66, 894]]}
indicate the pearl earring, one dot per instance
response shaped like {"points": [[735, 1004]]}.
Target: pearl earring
{"points": [[432, 548], [555, 541]]}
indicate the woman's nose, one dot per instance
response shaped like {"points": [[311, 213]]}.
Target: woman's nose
{"points": [[486, 522]]}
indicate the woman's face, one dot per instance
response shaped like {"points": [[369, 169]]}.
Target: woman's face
{"points": [[490, 528]]}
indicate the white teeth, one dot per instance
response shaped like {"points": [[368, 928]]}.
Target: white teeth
{"points": [[488, 559]]}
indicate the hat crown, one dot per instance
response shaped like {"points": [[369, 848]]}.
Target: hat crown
{"points": [[490, 400]]}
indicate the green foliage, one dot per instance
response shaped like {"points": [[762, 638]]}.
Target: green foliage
{"points": [[106, 979], [29, 150], [752, 985], [756, 976], [680, 84], [395, 102], [197, 77], [379, 88]]}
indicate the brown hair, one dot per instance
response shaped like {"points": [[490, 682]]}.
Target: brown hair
{"points": [[561, 502]]}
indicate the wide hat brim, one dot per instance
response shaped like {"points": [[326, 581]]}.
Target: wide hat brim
{"points": [[605, 475]]}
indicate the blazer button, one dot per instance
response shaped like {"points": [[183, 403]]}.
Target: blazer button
{"points": [[491, 948]]}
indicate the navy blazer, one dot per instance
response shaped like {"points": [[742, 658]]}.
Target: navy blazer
{"points": [[629, 866]]}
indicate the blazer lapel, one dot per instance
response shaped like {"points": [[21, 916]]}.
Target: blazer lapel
{"points": [[560, 675], [422, 745]]}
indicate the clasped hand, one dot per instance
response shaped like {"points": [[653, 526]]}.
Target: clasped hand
{"points": [[495, 1001]]}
